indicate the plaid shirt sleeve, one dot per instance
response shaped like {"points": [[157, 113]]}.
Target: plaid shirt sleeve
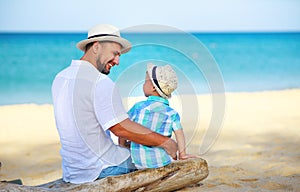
{"points": [[132, 112], [176, 125]]}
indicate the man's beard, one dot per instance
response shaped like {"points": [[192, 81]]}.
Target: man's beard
{"points": [[102, 68]]}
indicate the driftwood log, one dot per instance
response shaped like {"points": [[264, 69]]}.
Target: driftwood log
{"points": [[174, 176]]}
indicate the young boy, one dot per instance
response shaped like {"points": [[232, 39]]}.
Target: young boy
{"points": [[156, 114]]}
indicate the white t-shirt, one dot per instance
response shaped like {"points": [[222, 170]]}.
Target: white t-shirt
{"points": [[86, 104]]}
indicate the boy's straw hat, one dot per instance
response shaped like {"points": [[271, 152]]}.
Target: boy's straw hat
{"points": [[105, 32], [163, 78]]}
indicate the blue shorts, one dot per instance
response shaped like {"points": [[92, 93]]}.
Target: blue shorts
{"points": [[125, 167]]}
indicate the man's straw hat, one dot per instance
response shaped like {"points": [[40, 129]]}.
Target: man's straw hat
{"points": [[105, 32]]}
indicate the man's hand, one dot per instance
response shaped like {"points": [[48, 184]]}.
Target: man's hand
{"points": [[171, 148]]}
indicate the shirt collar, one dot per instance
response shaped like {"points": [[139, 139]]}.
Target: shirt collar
{"points": [[81, 62], [158, 99], [84, 63]]}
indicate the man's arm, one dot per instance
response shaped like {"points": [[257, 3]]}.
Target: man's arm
{"points": [[137, 133]]}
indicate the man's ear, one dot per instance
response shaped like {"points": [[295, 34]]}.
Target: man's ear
{"points": [[96, 46]]}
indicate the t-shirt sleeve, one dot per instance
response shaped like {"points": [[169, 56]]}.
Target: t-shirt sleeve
{"points": [[108, 104]]}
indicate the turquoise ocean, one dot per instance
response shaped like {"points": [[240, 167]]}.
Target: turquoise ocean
{"points": [[245, 62]]}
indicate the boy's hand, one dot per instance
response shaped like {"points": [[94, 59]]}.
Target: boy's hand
{"points": [[125, 144], [187, 156]]}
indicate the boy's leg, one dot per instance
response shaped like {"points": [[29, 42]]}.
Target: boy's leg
{"points": [[126, 167]]}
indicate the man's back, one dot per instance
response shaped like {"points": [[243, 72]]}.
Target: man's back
{"points": [[86, 149]]}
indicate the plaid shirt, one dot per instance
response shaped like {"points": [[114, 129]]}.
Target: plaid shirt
{"points": [[155, 114]]}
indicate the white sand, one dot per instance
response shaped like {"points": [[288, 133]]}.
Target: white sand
{"points": [[257, 148]]}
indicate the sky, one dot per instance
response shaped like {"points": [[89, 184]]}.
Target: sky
{"points": [[187, 15]]}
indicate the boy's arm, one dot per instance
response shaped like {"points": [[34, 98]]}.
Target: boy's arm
{"points": [[123, 142], [180, 142], [181, 145]]}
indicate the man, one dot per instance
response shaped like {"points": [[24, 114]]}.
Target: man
{"points": [[87, 106]]}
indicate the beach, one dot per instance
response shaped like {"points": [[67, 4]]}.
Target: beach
{"points": [[257, 148]]}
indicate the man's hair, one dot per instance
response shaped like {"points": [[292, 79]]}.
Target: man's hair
{"points": [[89, 45]]}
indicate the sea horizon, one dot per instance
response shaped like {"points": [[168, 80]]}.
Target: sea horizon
{"points": [[244, 61]]}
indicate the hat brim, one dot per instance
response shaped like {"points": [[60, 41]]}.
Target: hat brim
{"points": [[126, 45]]}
